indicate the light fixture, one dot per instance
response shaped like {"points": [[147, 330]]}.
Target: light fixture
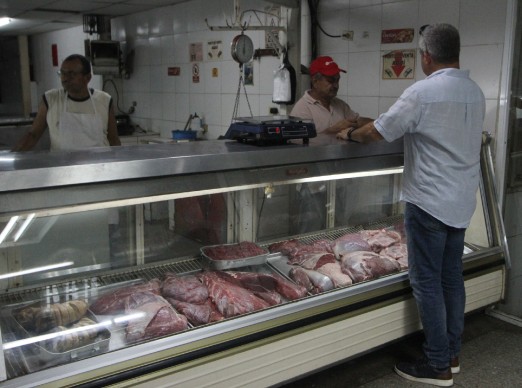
{"points": [[37, 269], [4, 21]]}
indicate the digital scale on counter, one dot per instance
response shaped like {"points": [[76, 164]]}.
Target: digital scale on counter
{"points": [[264, 130]]}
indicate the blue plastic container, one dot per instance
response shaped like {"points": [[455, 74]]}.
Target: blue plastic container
{"points": [[188, 134]]}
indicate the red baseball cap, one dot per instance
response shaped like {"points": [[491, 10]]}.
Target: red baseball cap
{"points": [[325, 66]]}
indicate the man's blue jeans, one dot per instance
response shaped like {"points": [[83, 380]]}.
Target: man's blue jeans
{"points": [[435, 270]]}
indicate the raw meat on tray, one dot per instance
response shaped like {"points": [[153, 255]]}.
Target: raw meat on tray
{"points": [[155, 317], [187, 288], [84, 333], [43, 318], [316, 283], [315, 260], [364, 265], [350, 242], [380, 239], [265, 283], [197, 314], [230, 299], [114, 302], [241, 250], [284, 247], [190, 297], [397, 252], [334, 272]]}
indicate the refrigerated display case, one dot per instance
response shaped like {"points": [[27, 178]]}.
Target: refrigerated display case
{"points": [[91, 240]]}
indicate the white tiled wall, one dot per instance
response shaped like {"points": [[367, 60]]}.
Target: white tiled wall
{"points": [[481, 52], [161, 38]]}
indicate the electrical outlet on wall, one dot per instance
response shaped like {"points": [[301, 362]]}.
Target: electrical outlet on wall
{"points": [[347, 35]]}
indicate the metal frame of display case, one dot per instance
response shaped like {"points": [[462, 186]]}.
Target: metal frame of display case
{"points": [[258, 348]]}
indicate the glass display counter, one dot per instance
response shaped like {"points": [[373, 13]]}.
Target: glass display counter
{"points": [[212, 262]]}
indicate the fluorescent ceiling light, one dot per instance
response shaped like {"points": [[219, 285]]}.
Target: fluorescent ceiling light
{"points": [[4, 21]]}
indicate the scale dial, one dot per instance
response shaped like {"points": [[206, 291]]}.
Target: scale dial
{"points": [[242, 49]]}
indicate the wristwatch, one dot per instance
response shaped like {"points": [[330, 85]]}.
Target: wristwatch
{"points": [[350, 135]]}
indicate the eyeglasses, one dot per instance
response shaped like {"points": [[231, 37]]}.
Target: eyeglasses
{"points": [[68, 74], [422, 42]]}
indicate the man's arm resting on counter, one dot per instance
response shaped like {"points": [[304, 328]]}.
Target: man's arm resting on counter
{"points": [[346, 123], [29, 140], [365, 134]]}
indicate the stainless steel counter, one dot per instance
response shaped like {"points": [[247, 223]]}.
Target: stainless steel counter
{"points": [[34, 170]]}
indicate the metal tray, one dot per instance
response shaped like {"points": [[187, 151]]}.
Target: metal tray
{"points": [[45, 354], [279, 263], [209, 263]]}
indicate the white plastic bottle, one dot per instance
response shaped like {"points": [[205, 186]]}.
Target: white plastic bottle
{"points": [[196, 122]]}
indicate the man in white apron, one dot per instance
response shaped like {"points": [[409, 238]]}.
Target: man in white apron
{"points": [[77, 117]]}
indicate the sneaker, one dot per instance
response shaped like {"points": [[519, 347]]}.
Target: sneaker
{"points": [[455, 365], [422, 372]]}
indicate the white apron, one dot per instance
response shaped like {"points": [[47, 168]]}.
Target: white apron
{"points": [[79, 130]]}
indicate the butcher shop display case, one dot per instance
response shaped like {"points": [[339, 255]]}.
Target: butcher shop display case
{"points": [[213, 263]]}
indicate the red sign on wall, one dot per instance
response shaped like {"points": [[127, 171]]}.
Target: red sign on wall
{"points": [[401, 35], [173, 70], [54, 54]]}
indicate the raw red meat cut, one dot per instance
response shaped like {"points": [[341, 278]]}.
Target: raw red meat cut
{"points": [[364, 265], [380, 239], [284, 246], [234, 251], [197, 314], [323, 244], [230, 299], [265, 284], [334, 272], [350, 242], [298, 275], [397, 252], [302, 253], [320, 282], [158, 317], [186, 288], [114, 302], [316, 260]]}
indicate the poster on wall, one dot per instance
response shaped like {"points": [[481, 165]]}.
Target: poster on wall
{"points": [[399, 64], [248, 69], [214, 50], [195, 73], [196, 52]]}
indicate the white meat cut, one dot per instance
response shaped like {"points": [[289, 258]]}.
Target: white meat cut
{"points": [[380, 239], [364, 265], [334, 272], [397, 252]]}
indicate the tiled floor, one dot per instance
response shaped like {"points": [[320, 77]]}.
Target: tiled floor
{"points": [[491, 357]]}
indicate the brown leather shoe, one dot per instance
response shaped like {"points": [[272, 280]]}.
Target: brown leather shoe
{"points": [[455, 365]]}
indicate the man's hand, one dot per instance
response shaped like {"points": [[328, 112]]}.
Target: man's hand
{"points": [[343, 135]]}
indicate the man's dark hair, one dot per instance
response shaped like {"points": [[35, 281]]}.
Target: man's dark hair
{"points": [[441, 41], [86, 64]]}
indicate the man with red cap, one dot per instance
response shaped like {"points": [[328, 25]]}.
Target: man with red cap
{"points": [[331, 116], [320, 103]]}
